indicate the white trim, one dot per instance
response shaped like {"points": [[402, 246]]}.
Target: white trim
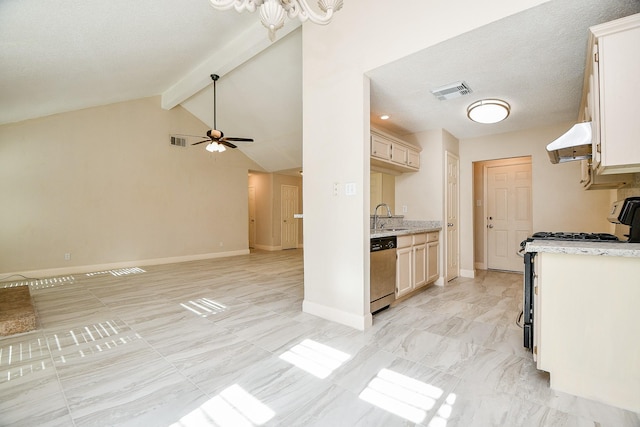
{"points": [[229, 57], [439, 281], [125, 264], [268, 248], [468, 273], [358, 322]]}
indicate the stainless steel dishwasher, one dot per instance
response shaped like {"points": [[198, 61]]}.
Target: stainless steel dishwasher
{"points": [[382, 272]]}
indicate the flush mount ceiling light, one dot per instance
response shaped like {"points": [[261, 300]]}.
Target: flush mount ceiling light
{"points": [[488, 111], [385, 117], [273, 12]]}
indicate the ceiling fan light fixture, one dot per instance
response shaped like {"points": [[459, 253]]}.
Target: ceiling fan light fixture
{"points": [[219, 142], [488, 111], [215, 147], [273, 12]]}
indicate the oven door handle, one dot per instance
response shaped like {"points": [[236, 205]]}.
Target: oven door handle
{"points": [[520, 253]]}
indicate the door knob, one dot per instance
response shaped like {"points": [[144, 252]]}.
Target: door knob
{"points": [[449, 224], [490, 226]]}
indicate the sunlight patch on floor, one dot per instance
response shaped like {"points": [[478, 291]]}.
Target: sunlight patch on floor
{"points": [[233, 407], [318, 359], [401, 395]]}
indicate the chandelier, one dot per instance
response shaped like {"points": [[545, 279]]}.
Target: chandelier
{"points": [[273, 12]]}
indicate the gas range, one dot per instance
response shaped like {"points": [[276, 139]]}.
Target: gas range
{"points": [[579, 237], [625, 212], [585, 237]]}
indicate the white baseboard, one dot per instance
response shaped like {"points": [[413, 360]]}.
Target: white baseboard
{"points": [[468, 273], [275, 248], [268, 248], [439, 281], [124, 264], [357, 322]]}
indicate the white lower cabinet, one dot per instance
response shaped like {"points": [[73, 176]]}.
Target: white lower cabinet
{"points": [[404, 265], [432, 257], [416, 262], [419, 252]]}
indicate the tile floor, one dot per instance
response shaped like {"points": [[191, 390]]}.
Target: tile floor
{"points": [[224, 343]]}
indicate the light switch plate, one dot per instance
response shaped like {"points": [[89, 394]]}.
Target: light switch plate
{"points": [[350, 189]]}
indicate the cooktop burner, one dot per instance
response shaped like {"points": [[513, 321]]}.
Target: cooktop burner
{"points": [[580, 237], [585, 237]]}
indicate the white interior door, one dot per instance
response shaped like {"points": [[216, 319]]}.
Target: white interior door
{"points": [[252, 217], [289, 206], [509, 217], [452, 236]]}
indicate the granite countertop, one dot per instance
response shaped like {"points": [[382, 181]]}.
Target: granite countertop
{"points": [[621, 249], [407, 227]]}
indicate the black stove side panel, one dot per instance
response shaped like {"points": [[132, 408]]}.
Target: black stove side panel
{"points": [[528, 300]]}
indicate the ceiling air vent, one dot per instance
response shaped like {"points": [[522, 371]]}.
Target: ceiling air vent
{"points": [[178, 141], [450, 91]]}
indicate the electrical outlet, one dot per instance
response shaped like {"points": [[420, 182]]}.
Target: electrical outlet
{"points": [[404, 209], [67, 256]]}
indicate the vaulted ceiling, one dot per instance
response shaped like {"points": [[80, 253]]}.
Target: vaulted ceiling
{"points": [[63, 55]]}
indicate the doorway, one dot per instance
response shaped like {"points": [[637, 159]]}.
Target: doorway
{"points": [[289, 206], [503, 214], [252, 217], [452, 207]]}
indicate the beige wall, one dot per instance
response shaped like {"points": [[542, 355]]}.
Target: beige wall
{"points": [[362, 36], [105, 185], [268, 198], [559, 201], [422, 191]]}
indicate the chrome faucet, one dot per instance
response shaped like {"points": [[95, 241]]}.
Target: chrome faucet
{"points": [[375, 214]]}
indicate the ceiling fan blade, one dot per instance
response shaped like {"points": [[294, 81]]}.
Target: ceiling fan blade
{"points": [[200, 142], [239, 139], [227, 143]]}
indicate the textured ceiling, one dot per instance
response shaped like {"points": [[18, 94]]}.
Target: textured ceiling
{"points": [[534, 60], [63, 55]]}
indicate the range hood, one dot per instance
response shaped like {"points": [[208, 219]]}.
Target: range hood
{"points": [[575, 144]]}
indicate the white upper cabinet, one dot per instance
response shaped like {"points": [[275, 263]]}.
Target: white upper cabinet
{"points": [[380, 147], [612, 85], [393, 154]]}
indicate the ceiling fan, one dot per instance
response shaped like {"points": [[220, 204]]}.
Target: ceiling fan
{"points": [[217, 141]]}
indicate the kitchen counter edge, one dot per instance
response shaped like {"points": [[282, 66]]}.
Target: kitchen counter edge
{"points": [[619, 249], [411, 230]]}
